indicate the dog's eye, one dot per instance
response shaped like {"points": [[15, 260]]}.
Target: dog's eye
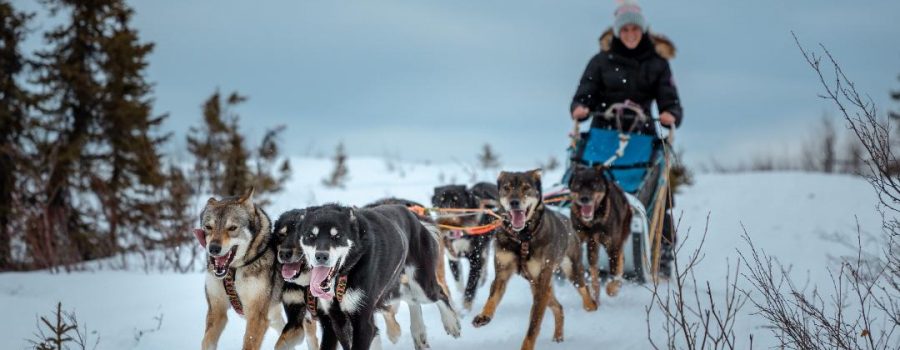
{"points": [[232, 228], [208, 227]]}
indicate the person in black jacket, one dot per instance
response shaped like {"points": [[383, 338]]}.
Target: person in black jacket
{"points": [[632, 66]]}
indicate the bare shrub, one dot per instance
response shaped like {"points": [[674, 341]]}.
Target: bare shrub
{"points": [[693, 317], [861, 309]]}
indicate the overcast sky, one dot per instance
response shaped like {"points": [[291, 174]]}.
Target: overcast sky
{"points": [[434, 80]]}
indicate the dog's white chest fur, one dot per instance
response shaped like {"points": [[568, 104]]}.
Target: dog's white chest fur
{"points": [[352, 300]]}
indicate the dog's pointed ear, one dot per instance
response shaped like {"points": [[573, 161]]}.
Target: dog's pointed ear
{"points": [[535, 174], [211, 201], [247, 196], [352, 215], [502, 175]]}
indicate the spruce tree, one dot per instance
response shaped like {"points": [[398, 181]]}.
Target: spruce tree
{"points": [[129, 141], [222, 159], [488, 159], [97, 135], [13, 119], [338, 177], [72, 93]]}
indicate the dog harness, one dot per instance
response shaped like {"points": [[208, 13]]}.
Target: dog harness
{"points": [[339, 291], [228, 282]]}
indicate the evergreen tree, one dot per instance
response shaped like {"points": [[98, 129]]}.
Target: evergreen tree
{"points": [[338, 177], [488, 159], [69, 105], [222, 159], [13, 119], [129, 144], [96, 136]]}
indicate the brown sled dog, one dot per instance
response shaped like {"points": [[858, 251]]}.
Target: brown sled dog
{"points": [[600, 215], [241, 271], [534, 242]]}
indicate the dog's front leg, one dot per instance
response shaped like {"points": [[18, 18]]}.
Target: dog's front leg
{"points": [[455, 271], [216, 318], [363, 328], [292, 334], [475, 267], [540, 291], [342, 326], [329, 337], [505, 266], [257, 313], [616, 267], [593, 248]]}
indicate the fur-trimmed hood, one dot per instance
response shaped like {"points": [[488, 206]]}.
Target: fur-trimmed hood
{"points": [[664, 46]]}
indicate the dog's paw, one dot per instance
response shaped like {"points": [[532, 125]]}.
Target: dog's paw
{"points": [[590, 305], [421, 344], [612, 288], [557, 338], [480, 320]]}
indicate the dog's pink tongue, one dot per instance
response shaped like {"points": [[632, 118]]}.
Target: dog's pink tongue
{"points": [[587, 211], [318, 275], [222, 260], [288, 271], [517, 218]]}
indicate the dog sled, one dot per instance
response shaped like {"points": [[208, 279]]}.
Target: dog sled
{"points": [[639, 164]]}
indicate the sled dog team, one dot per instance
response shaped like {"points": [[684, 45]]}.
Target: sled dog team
{"points": [[336, 266]]}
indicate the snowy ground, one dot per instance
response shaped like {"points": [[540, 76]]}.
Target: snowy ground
{"points": [[789, 215]]}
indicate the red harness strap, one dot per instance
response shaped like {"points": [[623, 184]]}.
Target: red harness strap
{"points": [[228, 282], [311, 304], [339, 291], [341, 288]]}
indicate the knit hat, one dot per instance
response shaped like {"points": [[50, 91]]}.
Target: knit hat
{"points": [[628, 12]]}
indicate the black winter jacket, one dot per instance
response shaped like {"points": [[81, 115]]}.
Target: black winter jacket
{"points": [[617, 74]]}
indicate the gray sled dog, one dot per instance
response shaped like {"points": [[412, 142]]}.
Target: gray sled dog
{"points": [[241, 274]]}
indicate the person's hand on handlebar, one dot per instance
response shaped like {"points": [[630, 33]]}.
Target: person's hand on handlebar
{"points": [[665, 118], [580, 113]]}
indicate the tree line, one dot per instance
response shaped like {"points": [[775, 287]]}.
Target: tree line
{"points": [[83, 175]]}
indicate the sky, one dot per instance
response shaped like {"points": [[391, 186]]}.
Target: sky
{"points": [[435, 80]]}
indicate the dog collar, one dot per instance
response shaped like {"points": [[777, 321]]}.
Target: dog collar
{"points": [[228, 283]]}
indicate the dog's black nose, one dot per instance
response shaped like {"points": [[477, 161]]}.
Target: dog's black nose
{"points": [[321, 258], [285, 254], [584, 199], [215, 247], [514, 204]]}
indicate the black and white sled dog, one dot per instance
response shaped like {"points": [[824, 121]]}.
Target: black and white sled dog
{"points": [[237, 236], [295, 296], [459, 245], [366, 260]]}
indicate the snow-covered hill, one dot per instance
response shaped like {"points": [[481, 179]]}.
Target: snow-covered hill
{"points": [[792, 216]]}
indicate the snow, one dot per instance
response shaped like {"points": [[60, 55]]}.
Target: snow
{"points": [[788, 215]]}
